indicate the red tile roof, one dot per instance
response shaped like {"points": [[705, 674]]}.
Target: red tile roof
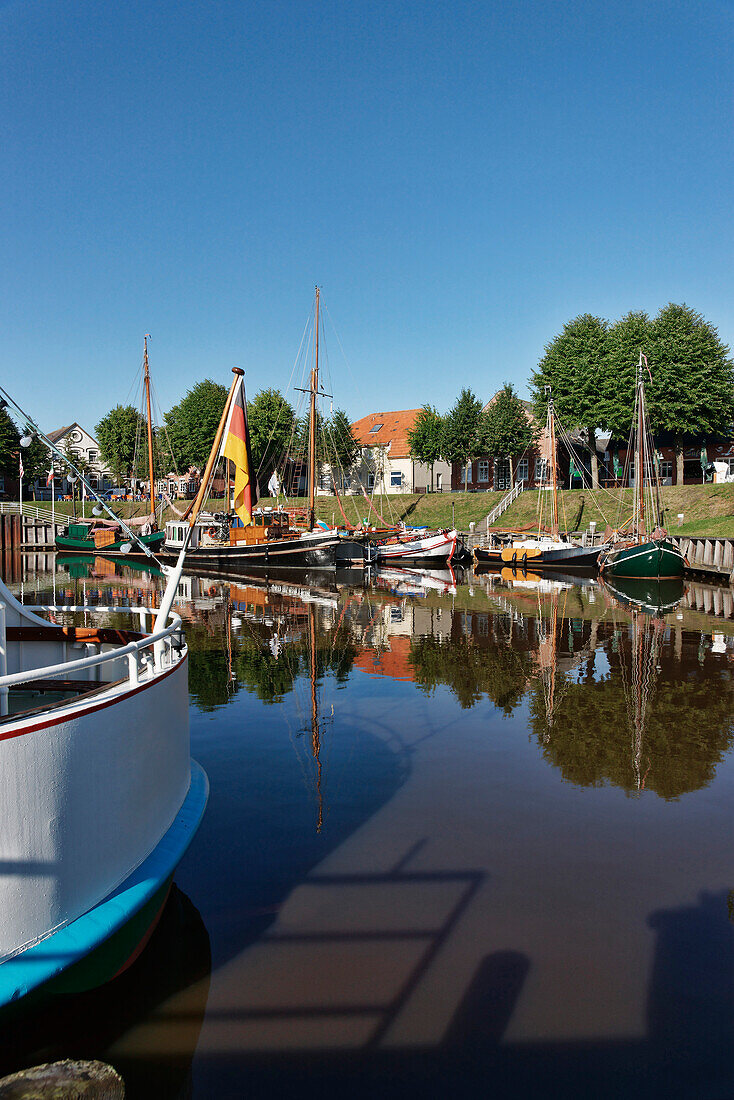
{"points": [[394, 430]]}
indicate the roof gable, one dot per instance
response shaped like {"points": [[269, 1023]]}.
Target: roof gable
{"points": [[393, 430]]}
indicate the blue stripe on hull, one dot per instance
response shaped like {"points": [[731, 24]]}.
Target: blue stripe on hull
{"points": [[27, 972]]}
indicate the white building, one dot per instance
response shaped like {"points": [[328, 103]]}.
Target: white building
{"points": [[79, 442], [385, 465]]}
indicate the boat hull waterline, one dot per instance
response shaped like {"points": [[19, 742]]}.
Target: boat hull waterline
{"points": [[427, 548], [67, 545], [568, 557], [659, 559], [323, 552]]}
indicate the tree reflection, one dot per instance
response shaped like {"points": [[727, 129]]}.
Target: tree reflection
{"points": [[471, 671], [607, 730], [260, 660]]}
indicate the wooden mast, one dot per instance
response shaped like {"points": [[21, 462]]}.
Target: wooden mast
{"points": [[640, 451], [150, 427], [552, 435], [312, 427]]}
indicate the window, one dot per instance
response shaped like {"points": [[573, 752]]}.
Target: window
{"points": [[396, 479], [375, 428], [540, 469], [522, 470], [370, 481], [483, 470], [730, 463], [93, 482], [92, 456], [666, 469]]}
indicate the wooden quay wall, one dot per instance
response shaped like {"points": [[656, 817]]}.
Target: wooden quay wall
{"points": [[714, 556]]}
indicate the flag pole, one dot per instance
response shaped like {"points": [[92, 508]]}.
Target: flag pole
{"points": [[174, 577]]}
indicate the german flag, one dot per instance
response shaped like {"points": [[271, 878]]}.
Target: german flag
{"points": [[237, 450]]}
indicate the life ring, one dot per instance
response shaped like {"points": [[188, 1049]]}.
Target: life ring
{"points": [[212, 532], [212, 590]]}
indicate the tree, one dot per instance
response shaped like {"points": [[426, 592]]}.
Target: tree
{"points": [[271, 421], [575, 366], [9, 445], [463, 430], [192, 424], [505, 427], [426, 438], [343, 449], [691, 392], [36, 461], [117, 434]]}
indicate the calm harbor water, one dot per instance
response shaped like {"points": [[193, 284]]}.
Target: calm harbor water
{"points": [[468, 834]]}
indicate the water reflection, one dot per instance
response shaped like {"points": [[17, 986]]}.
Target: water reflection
{"points": [[462, 832]]}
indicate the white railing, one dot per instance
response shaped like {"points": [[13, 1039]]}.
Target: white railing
{"points": [[505, 503], [32, 511], [163, 642]]}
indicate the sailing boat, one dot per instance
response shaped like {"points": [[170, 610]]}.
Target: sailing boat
{"points": [[544, 551], [637, 554], [259, 537], [108, 536]]}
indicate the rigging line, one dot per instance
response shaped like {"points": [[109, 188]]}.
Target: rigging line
{"points": [[162, 426], [360, 396]]}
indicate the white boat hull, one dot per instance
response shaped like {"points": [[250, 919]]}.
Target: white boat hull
{"points": [[87, 790], [422, 548]]}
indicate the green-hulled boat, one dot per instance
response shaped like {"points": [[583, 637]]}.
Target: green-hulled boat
{"points": [[99, 538], [654, 559], [639, 555]]}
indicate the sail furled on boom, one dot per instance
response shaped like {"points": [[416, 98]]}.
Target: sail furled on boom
{"points": [[237, 450]]}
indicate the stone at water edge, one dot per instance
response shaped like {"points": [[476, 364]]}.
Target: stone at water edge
{"points": [[67, 1080]]}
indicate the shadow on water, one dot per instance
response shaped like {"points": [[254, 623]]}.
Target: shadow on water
{"points": [[686, 1052]]}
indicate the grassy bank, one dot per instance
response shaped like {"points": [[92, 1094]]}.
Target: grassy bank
{"points": [[706, 509]]}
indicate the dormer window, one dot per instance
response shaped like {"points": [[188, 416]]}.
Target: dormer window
{"points": [[375, 428]]}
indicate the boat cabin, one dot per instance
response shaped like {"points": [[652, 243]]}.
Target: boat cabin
{"points": [[267, 524]]}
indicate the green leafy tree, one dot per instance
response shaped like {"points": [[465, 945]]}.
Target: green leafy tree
{"points": [[575, 366], [505, 428], [691, 392], [341, 446], [463, 430], [36, 462], [192, 424], [9, 445], [271, 421], [426, 438], [117, 433]]}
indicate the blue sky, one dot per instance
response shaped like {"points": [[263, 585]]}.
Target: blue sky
{"points": [[460, 179]]}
